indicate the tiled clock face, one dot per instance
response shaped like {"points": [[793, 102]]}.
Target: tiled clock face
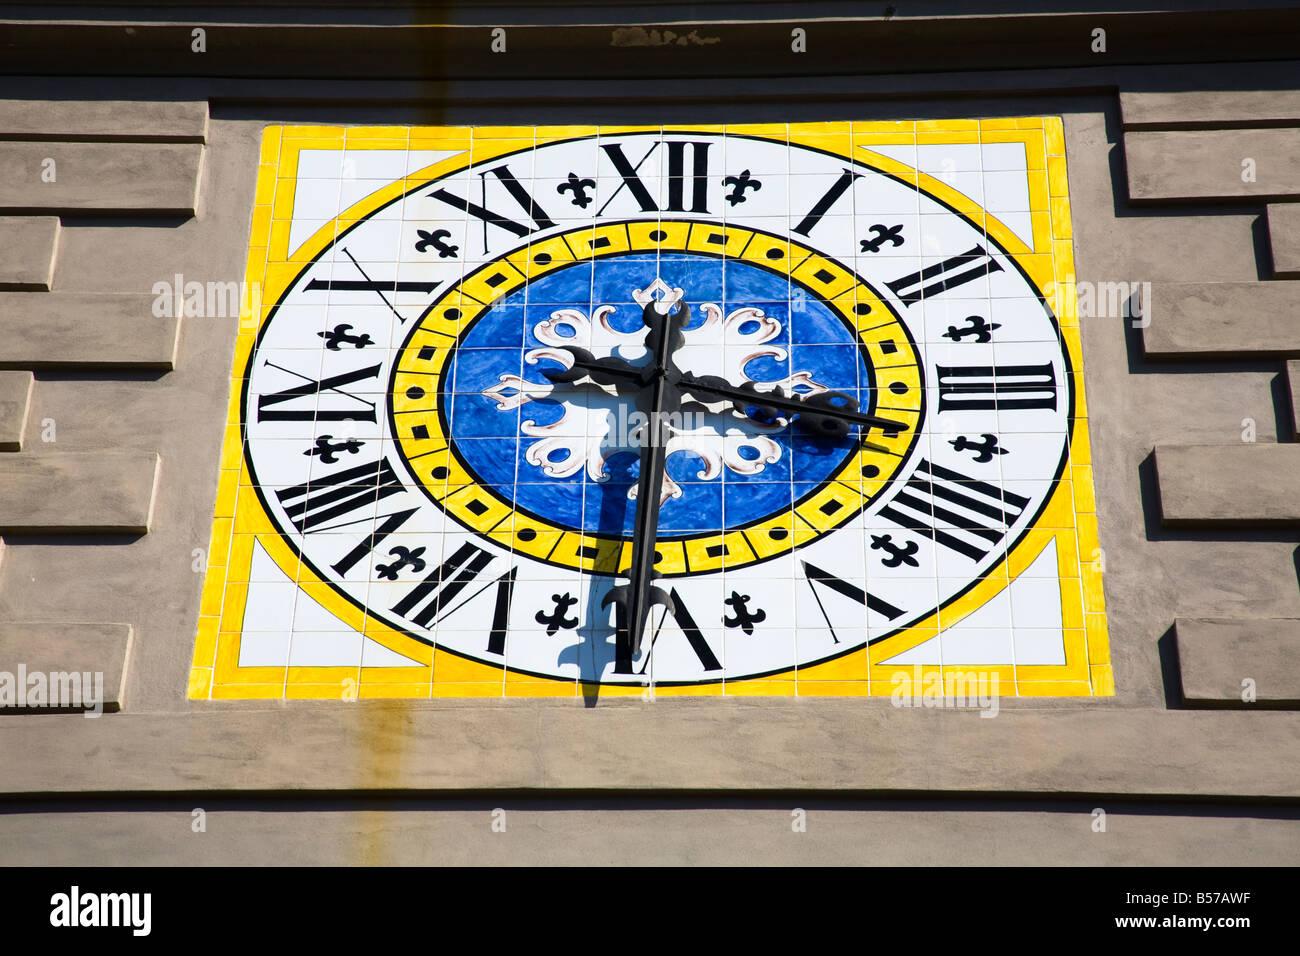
{"points": [[872, 433]]}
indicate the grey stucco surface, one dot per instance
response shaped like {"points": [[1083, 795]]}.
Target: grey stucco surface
{"points": [[1133, 743], [587, 833]]}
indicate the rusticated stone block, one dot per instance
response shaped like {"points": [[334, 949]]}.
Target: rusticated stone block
{"points": [[29, 243], [84, 330], [1239, 663], [15, 403], [60, 177], [1200, 320], [64, 656], [1246, 484], [77, 493], [1200, 165], [184, 121]]}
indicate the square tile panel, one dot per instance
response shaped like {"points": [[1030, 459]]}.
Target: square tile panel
{"points": [[761, 410]]}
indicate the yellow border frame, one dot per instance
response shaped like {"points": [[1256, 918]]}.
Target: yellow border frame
{"points": [[1069, 517]]}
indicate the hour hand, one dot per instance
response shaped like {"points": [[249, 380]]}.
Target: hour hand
{"points": [[606, 371], [830, 413]]}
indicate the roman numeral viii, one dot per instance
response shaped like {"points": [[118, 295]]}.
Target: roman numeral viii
{"points": [[955, 510], [944, 276], [428, 600], [976, 387]]}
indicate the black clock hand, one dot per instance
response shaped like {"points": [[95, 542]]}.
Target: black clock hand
{"points": [[829, 412], [640, 593]]}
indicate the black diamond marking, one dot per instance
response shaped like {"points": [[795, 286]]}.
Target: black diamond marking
{"points": [[426, 353], [587, 551], [477, 508], [496, 279], [600, 242], [420, 431], [716, 550], [887, 347], [830, 507], [822, 276], [716, 239]]}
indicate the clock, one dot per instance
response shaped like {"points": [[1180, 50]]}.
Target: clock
{"points": [[686, 407]]}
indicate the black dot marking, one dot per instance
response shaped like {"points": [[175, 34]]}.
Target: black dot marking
{"points": [[439, 473], [822, 276], [775, 254], [476, 508], [542, 258], [526, 534], [778, 534], [898, 388], [659, 556], [452, 314], [870, 471], [600, 242], [496, 279], [887, 347], [862, 308], [587, 551], [426, 353], [420, 432], [716, 550], [415, 392], [658, 236], [831, 507]]}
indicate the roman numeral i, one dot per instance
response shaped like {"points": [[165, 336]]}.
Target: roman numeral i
{"points": [[944, 276]]}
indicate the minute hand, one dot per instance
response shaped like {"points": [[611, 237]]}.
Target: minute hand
{"points": [[712, 385]]}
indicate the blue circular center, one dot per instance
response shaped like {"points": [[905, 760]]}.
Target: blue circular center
{"points": [[493, 442]]}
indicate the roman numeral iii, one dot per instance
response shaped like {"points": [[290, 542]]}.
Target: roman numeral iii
{"points": [[983, 387]]}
